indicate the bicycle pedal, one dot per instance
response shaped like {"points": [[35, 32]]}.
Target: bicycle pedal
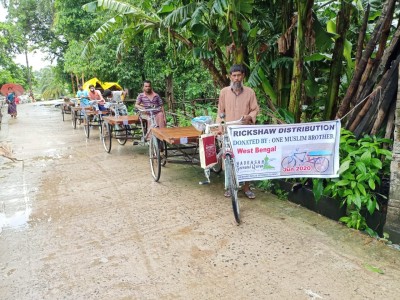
{"points": [[136, 143]]}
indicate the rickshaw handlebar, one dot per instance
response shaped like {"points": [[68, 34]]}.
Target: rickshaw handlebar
{"points": [[148, 109], [226, 123]]}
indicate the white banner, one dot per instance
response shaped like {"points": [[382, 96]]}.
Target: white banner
{"points": [[286, 151]]}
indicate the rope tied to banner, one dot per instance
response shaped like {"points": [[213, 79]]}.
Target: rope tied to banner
{"points": [[378, 89]]}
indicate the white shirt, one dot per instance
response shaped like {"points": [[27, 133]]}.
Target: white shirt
{"points": [[116, 96]]}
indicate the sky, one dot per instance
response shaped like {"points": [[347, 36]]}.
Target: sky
{"points": [[36, 60]]}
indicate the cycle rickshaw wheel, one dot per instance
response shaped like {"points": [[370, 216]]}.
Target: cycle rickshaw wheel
{"points": [[106, 136], [217, 168], [62, 112], [163, 152], [121, 133], [86, 125], [154, 156], [73, 119], [232, 186], [101, 125]]}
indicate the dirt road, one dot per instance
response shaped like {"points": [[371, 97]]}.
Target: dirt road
{"points": [[78, 223]]}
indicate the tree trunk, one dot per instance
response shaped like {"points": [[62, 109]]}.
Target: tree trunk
{"points": [[218, 79], [390, 121], [283, 81], [28, 73], [77, 80], [389, 54], [297, 89], [361, 35], [355, 82], [392, 225], [342, 26], [362, 124], [361, 114], [169, 95], [73, 85], [220, 56], [386, 102], [374, 63], [386, 96], [284, 74], [240, 46]]}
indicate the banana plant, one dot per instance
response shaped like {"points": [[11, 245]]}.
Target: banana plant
{"points": [[216, 32]]}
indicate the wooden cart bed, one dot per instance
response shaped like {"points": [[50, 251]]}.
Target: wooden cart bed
{"points": [[177, 135], [122, 120]]}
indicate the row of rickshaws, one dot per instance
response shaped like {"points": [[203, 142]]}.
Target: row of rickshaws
{"points": [[171, 144]]}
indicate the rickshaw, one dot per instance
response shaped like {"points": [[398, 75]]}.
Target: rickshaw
{"points": [[66, 107]]}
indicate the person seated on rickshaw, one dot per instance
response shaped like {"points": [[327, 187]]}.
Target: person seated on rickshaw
{"points": [[150, 99], [83, 96], [66, 106], [115, 101], [119, 96], [97, 100]]}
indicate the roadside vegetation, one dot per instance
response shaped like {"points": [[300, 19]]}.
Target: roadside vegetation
{"points": [[307, 60]]}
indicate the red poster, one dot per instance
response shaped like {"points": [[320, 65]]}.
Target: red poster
{"points": [[208, 151]]}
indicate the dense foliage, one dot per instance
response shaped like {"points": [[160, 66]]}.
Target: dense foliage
{"points": [[300, 55], [364, 163], [9, 71], [307, 60]]}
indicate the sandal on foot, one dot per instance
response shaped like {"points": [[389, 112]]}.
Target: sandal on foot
{"points": [[250, 194], [227, 193]]}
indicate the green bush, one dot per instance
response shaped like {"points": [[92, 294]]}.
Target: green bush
{"points": [[363, 163]]}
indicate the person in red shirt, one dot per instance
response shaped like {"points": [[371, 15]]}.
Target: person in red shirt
{"points": [[95, 95]]}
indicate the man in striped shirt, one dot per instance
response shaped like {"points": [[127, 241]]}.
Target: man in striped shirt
{"points": [[150, 99]]}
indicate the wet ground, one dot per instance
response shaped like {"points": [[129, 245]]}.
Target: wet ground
{"points": [[79, 223]]}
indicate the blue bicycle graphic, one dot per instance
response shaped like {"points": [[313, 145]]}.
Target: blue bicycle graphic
{"points": [[298, 161]]}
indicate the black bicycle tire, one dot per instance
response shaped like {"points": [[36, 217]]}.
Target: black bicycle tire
{"points": [[164, 156], [121, 134], [101, 124], [106, 136], [217, 168], [154, 158], [233, 187], [73, 120], [86, 126]]}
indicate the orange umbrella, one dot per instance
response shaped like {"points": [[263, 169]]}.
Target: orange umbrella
{"points": [[16, 88]]}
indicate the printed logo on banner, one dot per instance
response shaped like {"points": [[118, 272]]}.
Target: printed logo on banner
{"points": [[305, 161], [267, 163]]}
